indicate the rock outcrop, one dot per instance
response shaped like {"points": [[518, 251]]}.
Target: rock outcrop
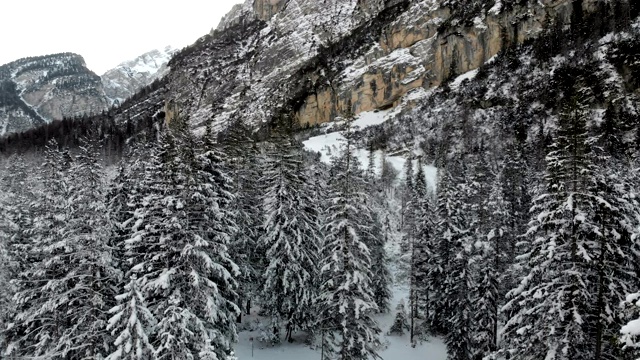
{"points": [[265, 9]]}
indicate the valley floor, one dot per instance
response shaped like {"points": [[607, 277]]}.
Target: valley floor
{"points": [[396, 347]]}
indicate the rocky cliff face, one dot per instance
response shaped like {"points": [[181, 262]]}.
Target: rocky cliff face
{"points": [[130, 76], [265, 9], [260, 69], [422, 48], [39, 89], [319, 60]]}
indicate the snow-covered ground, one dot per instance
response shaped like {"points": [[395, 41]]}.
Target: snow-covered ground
{"points": [[328, 145], [396, 347], [455, 84]]}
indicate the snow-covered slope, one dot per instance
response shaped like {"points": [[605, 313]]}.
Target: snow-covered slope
{"points": [[329, 144], [130, 76]]}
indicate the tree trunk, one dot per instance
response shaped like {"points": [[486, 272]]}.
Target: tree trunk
{"points": [[600, 304]]}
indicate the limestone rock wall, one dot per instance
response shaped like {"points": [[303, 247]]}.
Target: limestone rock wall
{"points": [[412, 53], [265, 9]]}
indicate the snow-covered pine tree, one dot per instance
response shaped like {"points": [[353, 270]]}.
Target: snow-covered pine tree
{"points": [[617, 213], [318, 173], [182, 230], [5, 268], [124, 195], [61, 299], [86, 285], [376, 240], [130, 324], [447, 233], [630, 339], [15, 219], [421, 253], [518, 182], [408, 245], [577, 263], [458, 280], [381, 276], [241, 164], [346, 298], [132, 329], [148, 250], [388, 174], [400, 323], [291, 239], [406, 200], [490, 268], [30, 223]]}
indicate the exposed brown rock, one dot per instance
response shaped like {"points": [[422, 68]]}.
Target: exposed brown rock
{"points": [[434, 57]]}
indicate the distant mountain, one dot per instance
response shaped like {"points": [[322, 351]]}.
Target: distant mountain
{"points": [[35, 90], [130, 76]]}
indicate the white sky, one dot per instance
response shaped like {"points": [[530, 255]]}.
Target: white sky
{"points": [[105, 33]]}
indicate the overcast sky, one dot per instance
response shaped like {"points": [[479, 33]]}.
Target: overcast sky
{"points": [[105, 33]]}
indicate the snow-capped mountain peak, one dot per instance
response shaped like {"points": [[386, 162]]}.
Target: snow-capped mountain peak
{"points": [[130, 76]]}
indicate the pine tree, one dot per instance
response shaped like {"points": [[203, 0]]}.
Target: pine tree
{"points": [[347, 303], [131, 325], [400, 323], [88, 233], [381, 276], [61, 294], [577, 261], [16, 186], [181, 233], [5, 272], [241, 163], [491, 265], [388, 174], [406, 221], [616, 214], [458, 282], [447, 234], [30, 223], [631, 331], [421, 253], [291, 239], [413, 244], [518, 186]]}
